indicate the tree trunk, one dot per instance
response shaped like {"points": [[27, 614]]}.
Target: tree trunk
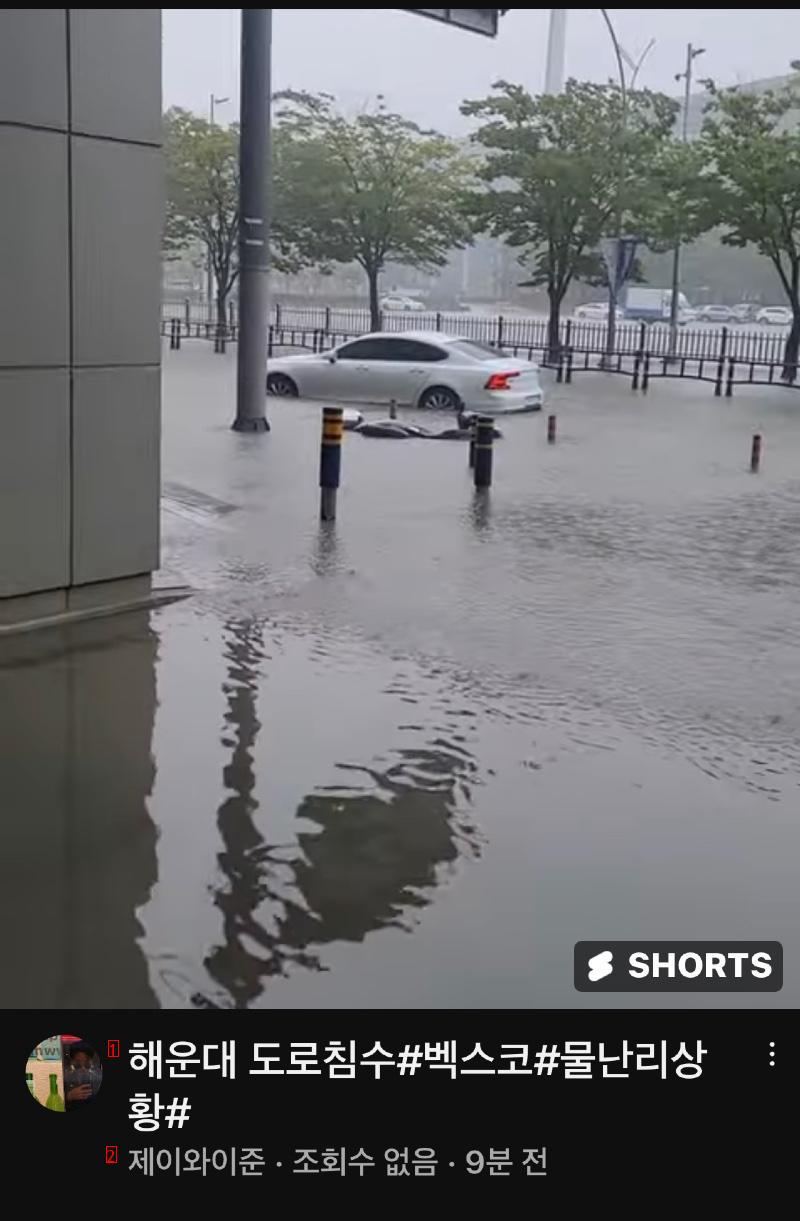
{"points": [[554, 328], [374, 306], [789, 371], [222, 302], [222, 322]]}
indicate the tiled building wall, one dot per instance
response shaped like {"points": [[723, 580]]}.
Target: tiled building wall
{"points": [[81, 202]]}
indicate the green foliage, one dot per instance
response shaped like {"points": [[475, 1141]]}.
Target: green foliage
{"points": [[678, 206], [563, 171], [202, 162], [371, 189], [753, 146], [754, 187]]}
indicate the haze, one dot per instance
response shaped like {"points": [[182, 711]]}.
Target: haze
{"points": [[425, 69]]}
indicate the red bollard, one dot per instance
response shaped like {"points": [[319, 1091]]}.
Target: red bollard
{"points": [[755, 453], [551, 429]]}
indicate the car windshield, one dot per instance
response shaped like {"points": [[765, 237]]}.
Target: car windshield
{"points": [[476, 349]]}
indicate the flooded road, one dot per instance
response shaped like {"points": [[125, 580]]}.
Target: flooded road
{"points": [[410, 759]]}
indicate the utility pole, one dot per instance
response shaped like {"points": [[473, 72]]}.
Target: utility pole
{"points": [[626, 87], [254, 178], [212, 101], [691, 55], [556, 47]]}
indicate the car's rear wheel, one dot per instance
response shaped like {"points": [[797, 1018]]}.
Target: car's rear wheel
{"points": [[440, 398], [281, 384]]}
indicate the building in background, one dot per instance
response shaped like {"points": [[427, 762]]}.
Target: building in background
{"points": [[699, 101]]}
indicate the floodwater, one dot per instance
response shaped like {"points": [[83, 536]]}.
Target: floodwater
{"points": [[409, 759]]}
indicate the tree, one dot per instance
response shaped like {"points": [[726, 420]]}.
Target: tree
{"points": [[559, 171], [753, 183], [369, 189], [203, 195], [675, 205]]}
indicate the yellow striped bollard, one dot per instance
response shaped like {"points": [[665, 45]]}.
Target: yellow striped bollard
{"points": [[330, 461]]}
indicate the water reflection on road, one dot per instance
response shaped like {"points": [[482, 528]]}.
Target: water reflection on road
{"points": [[367, 850]]}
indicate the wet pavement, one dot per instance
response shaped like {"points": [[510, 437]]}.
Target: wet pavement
{"points": [[409, 759]]}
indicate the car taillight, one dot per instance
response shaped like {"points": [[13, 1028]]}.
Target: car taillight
{"points": [[499, 381]]}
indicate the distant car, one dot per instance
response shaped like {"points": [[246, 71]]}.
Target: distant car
{"points": [[745, 312], [595, 311], [715, 313], [775, 315], [396, 301], [415, 368]]}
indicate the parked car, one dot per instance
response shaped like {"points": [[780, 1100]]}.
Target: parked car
{"points": [[715, 313], [415, 368], [745, 312], [396, 301], [775, 315], [595, 311]]}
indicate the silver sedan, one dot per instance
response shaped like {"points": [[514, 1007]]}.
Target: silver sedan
{"points": [[415, 368]]}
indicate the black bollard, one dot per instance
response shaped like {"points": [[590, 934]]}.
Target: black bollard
{"points": [[551, 429], [721, 363], [484, 447], [646, 373], [755, 453], [330, 461], [473, 433], [729, 383], [392, 410]]}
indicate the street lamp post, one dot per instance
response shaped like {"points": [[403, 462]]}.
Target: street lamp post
{"points": [[691, 55], [626, 86], [212, 102]]}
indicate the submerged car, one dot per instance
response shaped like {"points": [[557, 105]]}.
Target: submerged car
{"points": [[415, 368]]}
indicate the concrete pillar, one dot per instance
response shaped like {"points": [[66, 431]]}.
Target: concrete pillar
{"points": [[81, 205]]}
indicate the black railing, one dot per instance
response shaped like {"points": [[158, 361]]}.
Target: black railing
{"points": [[641, 365], [743, 343]]}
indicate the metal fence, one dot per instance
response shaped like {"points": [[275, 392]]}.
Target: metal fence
{"points": [[742, 343], [641, 365]]}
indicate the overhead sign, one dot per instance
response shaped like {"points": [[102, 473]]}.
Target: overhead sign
{"points": [[479, 20]]}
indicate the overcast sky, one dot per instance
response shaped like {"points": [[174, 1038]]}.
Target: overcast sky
{"points": [[425, 69]]}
